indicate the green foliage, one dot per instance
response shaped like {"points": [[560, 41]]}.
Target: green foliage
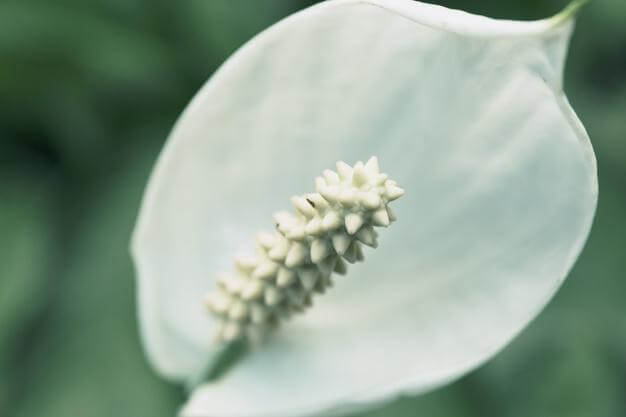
{"points": [[88, 93]]}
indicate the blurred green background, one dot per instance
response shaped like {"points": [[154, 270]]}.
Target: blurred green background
{"points": [[89, 90]]}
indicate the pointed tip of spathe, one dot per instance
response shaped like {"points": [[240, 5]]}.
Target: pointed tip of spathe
{"points": [[575, 6], [569, 12]]}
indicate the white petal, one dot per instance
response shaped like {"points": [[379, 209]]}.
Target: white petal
{"points": [[359, 176], [279, 252], [380, 217], [367, 236], [331, 177], [370, 200], [252, 290], [394, 192], [296, 255], [341, 241], [266, 270], [372, 167], [331, 221], [468, 115], [285, 277], [308, 276], [319, 250], [344, 170], [267, 240], [353, 222]]}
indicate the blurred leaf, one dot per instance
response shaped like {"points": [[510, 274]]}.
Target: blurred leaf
{"points": [[75, 74], [26, 257], [88, 361], [214, 29], [44, 33]]}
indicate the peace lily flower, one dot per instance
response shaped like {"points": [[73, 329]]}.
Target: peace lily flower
{"points": [[467, 113]]}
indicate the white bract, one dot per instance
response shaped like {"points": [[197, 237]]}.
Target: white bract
{"points": [[469, 116]]}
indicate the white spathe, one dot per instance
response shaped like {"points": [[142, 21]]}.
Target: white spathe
{"points": [[466, 112]]}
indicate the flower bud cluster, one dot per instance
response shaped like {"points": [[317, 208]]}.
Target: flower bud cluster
{"points": [[297, 260]]}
